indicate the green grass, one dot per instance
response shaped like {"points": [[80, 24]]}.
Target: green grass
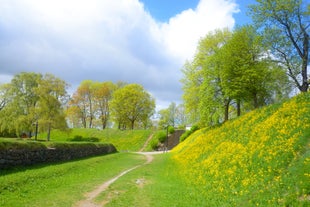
{"points": [[155, 185], [126, 140], [259, 159], [61, 185]]}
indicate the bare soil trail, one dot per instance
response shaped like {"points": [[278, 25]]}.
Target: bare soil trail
{"points": [[146, 143], [88, 202]]}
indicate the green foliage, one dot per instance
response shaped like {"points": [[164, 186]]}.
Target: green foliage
{"points": [[32, 98], [231, 70], [285, 27], [78, 138], [132, 104], [171, 129], [161, 136], [189, 132]]}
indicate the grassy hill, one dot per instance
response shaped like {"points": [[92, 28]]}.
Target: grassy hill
{"points": [[259, 159], [127, 140]]}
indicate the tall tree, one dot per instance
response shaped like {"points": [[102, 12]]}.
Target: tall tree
{"points": [[102, 96], [174, 116], [286, 26], [20, 113], [131, 104], [81, 103], [214, 101], [32, 99], [51, 92]]}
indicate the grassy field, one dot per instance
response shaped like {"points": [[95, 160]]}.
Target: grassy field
{"points": [[62, 184]]}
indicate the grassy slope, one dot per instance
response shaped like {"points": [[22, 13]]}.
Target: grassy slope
{"points": [[261, 158], [127, 140]]}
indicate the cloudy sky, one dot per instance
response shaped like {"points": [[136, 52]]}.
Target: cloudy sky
{"points": [[136, 41]]}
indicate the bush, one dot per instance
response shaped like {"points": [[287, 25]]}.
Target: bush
{"points": [[170, 129], [78, 138], [189, 132], [161, 136], [154, 144]]}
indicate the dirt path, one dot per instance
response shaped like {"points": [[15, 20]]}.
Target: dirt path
{"points": [[88, 202], [146, 142]]}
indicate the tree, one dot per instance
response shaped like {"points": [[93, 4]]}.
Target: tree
{"points": [[51, 92], [230, 68], [20, 114], [31, 99], [174, 116], [286, 26], [248, 73], [102, 96], [213, 101], [131, 104], [81, 103], [4, 99]]}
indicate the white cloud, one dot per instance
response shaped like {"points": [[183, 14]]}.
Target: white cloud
{"points": [[182, 32], [105, 40]]}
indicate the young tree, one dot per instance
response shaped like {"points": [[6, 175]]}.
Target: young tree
{"points": [[132, 103], [286, 26]]}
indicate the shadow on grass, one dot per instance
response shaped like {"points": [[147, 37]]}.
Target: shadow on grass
{"points": [[23, 168]]}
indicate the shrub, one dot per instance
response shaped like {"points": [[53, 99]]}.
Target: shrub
{"points": [[189, 132], [154, 144], [79, 138], [170, 129], [161, 136]]}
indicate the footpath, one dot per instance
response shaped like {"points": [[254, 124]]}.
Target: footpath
{"points": [[90, 196]]}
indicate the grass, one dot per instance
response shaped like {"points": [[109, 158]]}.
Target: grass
{"points": [[259, 159], [156, 185], [60, 185], [126, 140]]}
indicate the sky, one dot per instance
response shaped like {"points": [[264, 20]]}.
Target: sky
{"points": [[134, 41]]}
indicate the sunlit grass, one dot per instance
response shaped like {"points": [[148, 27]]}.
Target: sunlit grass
{"points": [[261, 158], [61, 185], [123, 140]]}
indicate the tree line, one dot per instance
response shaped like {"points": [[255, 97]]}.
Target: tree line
{"points": [[234, 71], [33, 103]]}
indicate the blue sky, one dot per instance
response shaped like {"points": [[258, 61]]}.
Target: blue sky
{"points": [[145, 42], [162, 10]]}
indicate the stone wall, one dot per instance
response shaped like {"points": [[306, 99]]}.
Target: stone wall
{"points": [[28, 156]]}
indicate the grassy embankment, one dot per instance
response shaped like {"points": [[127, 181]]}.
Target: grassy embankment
{"points": [[259, 159], [126, 140]]}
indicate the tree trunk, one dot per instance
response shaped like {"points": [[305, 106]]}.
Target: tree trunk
{"points": [[238, 107], [49, 132], [255, 100], [132, 124], [226, 113]]}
